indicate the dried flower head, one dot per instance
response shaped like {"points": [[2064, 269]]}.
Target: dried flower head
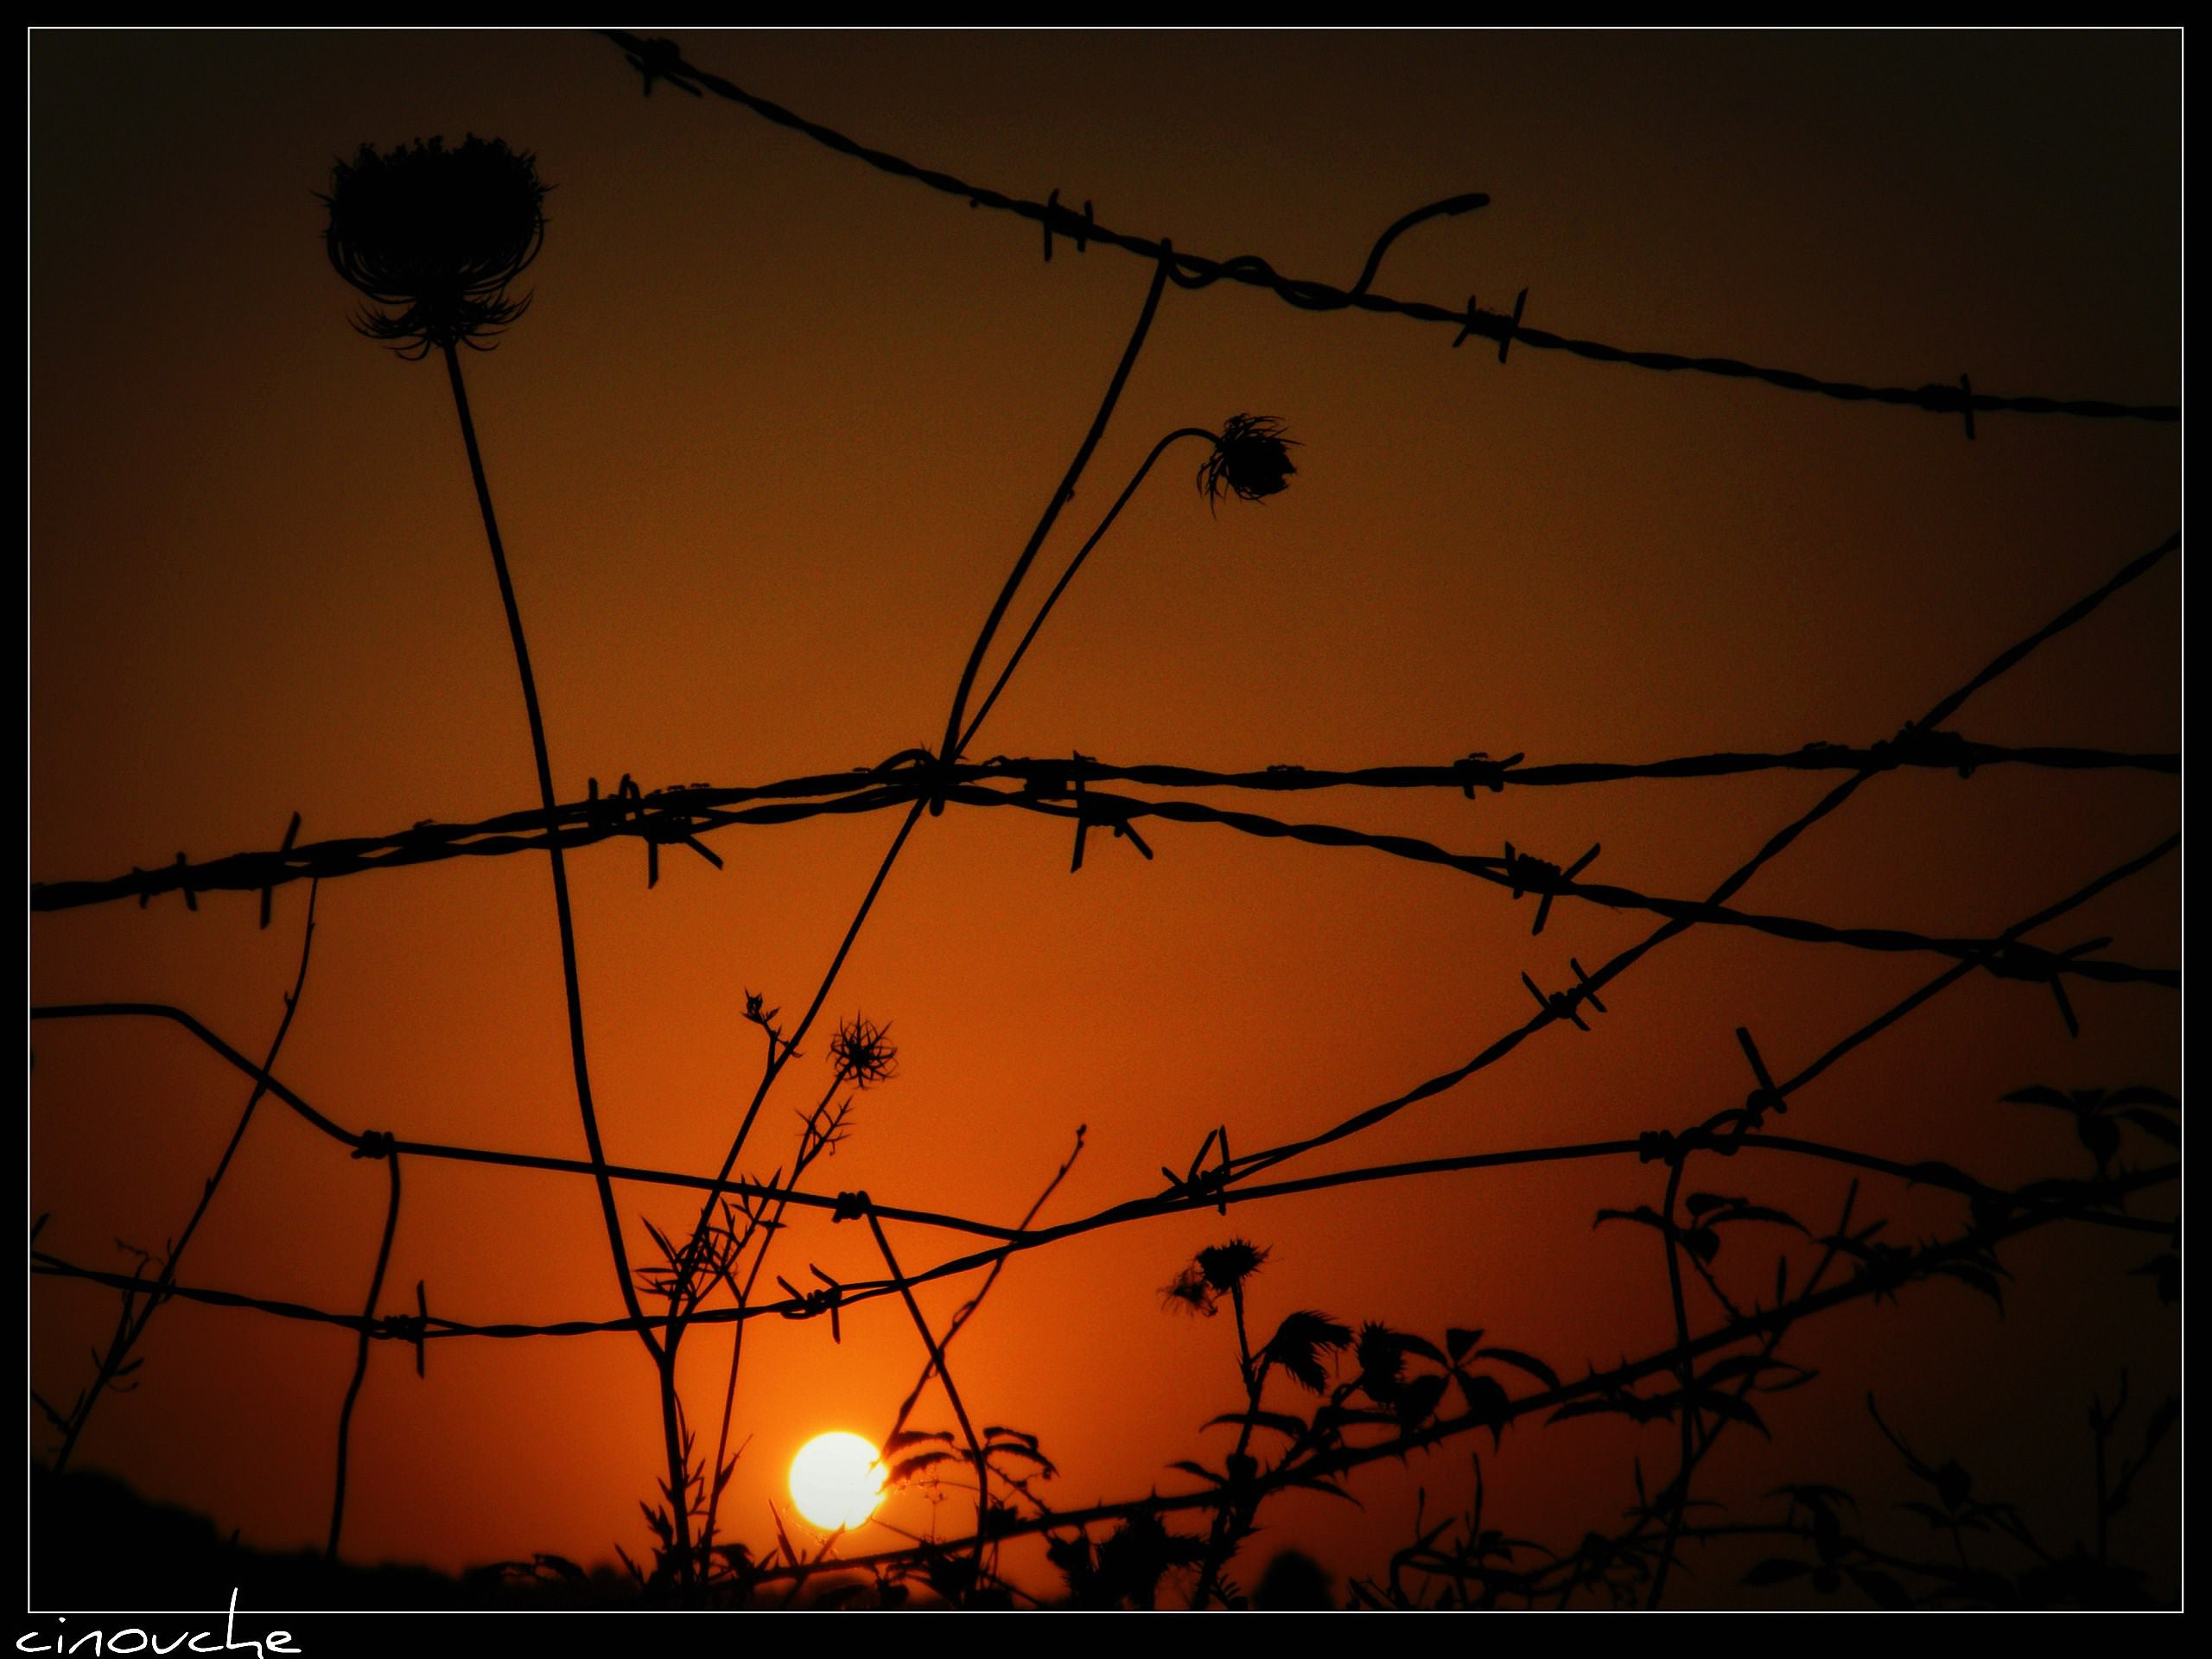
{"points": [[1225, 1266], [433, 236], [1250, 460], [862, 1053]]}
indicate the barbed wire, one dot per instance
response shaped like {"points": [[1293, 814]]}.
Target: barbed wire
{"points": [[415, 1329], [662, 60], [680, 815], [1230, 1186]]}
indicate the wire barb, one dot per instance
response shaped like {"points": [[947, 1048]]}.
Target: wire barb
{"points": [[1076, 229], [1527, 874], [812, 1304]]}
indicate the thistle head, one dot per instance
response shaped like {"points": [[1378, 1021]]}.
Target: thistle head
{"points": [[1226, 1266], [862, 1054], [1250, 460], [432, 236]]}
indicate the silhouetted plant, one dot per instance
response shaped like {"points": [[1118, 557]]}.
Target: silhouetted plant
{"points": [[1250, 460], [441, 234], [433, 237], [862, 1053]]}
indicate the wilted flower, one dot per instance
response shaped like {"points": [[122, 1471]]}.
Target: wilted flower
{"points": [[1250, 460], [433, 236], [1190, 1294], [863, 1053], [1299, 1342]]}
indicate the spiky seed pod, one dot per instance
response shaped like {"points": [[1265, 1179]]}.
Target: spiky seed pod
{"points": [[432, 236], [862, 1054], [1225, 1266]]}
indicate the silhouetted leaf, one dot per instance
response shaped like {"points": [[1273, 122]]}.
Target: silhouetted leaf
{"points": [[905, 1438], [1322, 1483], [1488, 1403], [2163, 1129], [1527, 1362], [1422, 1346], [1457, 1342], [1010, 1449], [1589, 1409], [1643, 1212], [1727, 1405], [1977, 1279], [1758, 1212], [906, 1468]]}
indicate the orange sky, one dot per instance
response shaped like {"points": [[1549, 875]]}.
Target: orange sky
{"points": [[763, 448]]}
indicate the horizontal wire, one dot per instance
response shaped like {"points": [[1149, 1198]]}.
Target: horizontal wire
{"points": [[677, 815]]}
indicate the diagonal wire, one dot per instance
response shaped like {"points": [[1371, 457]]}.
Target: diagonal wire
{"points": [[1196, 271]]}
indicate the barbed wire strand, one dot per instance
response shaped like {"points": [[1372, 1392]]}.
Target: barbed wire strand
{"points": [[680, 815], [1508, 329], [2134, 570]]}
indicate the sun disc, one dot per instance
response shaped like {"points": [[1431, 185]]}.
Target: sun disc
{"points": [[837, 1481]]}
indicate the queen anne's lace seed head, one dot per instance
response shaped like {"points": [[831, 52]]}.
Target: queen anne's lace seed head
{"points": [[432, 236]]}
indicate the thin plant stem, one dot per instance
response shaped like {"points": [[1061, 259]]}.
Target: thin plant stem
{"points": [[1068, 576], [361, 1361], [568, 976], [967, 1308], [129, 1332], [951, 1391], [1686, 1377], [953, 743]]}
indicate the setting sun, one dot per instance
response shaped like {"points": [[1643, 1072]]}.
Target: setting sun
{"points": [[837, 1481]]}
